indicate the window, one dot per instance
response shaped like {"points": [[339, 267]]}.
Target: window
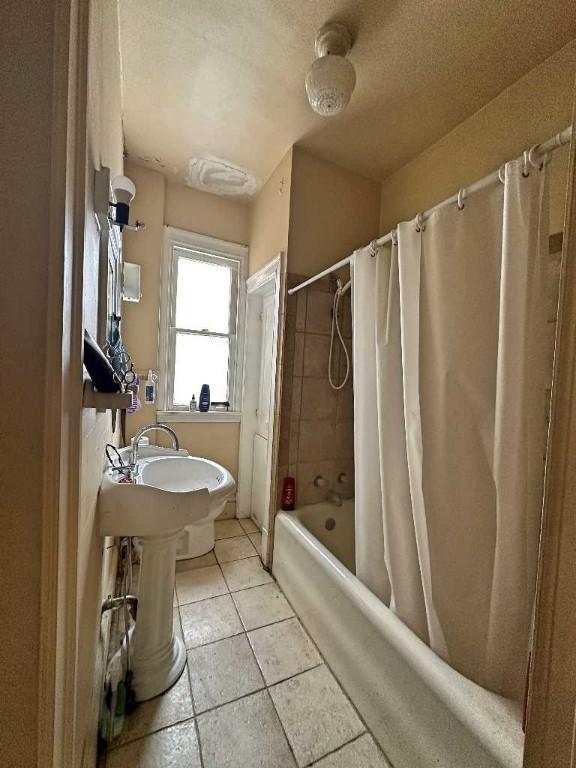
{"points": [[201, 314]]}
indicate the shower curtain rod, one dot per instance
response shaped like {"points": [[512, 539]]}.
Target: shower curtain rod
{"points": [[537, 152]]}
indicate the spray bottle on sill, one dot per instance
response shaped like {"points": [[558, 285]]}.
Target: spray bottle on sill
{"points": [[150, 395]]}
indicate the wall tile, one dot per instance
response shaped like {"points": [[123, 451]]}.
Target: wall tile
{"points": [[301, 310], [317, 355], [319, 312], [345, 440], [345, 407], [318, 400], [294, 442], [299, 355], [317, 441], [306, 491], [344, 468], [296, 397]]}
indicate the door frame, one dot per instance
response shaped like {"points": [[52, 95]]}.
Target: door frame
{"points": [[266, 280], [550, 729], [56, 728]]}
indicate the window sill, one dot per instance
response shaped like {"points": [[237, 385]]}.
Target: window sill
{"points": [[211, 417]]}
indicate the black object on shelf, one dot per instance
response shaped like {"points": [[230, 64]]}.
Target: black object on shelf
{"points": [[98, 366]]}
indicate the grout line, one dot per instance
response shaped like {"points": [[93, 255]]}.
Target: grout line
{"points": [[282, 726], [196, 728], [268, 624], [333, 751], [232, 701], [130, 742]]}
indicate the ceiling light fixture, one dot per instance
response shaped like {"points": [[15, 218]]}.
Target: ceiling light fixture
{"points": [[331, 78]]}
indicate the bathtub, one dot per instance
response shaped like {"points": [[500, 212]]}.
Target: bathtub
{"points": [[421, 711]]}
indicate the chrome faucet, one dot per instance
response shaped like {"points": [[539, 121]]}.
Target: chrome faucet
{"points": [[143, 431]]}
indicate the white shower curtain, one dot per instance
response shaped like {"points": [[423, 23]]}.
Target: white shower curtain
{"points": [[449, 379]]}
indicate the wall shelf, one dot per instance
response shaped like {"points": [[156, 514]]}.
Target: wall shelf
{"points": [[104, 401]]}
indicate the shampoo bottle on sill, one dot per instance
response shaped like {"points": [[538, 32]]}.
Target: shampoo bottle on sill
{"points": [[204, 402]]}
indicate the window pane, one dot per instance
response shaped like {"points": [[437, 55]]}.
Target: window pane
{"points": [[200, 360], [203, 296]]}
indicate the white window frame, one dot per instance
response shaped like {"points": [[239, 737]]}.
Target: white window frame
{"points": [[213, 251]]}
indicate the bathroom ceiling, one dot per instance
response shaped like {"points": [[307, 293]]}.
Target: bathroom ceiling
{"points": [[225, 78]]}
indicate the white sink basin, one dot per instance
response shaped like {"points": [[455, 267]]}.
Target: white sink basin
{"points": [[186, 474], [170, 492], [137, 509]]}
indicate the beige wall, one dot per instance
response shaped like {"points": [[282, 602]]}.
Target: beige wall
{"points": [[270, 216], [24, 254], [532, 110], [33, 292], [332, 212], [160, 203]]}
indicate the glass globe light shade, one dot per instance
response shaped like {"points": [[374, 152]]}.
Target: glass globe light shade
{"points": [[329, 84], [124, 189]]}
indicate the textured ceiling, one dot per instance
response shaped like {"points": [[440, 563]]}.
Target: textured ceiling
{"points": [[226, 77]]}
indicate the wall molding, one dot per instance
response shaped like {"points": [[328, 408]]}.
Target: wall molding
{"points": [[552, 697]]}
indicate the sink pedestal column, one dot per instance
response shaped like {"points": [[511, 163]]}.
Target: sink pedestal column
{"points": [[157, 655]]}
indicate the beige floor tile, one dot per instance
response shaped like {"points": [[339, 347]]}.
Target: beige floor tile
{"points": [[223, 671], [242, 574], [225, 529], [200, 584], [283, 650], [245, 733], [209, 620], [236, 548], [177, 624], [175, 747], [256, 539], [195, 562], [362, 753], [172, 707], [248, 524], [316, 715], [262, 605]]}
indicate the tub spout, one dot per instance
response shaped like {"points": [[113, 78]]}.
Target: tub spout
{"points": [[333, 497]]}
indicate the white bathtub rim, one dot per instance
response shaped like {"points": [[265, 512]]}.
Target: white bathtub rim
{"points": [[493, 719]]}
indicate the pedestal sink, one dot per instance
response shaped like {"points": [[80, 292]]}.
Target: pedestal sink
{"points": [[171, 490]]}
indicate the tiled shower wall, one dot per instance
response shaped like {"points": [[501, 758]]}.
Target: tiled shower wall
{"points": [[316, 424]]}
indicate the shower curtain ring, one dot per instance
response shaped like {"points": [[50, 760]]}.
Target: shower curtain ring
{"points": [[374, 248], [502, 173], [420, 226], [460, 200], [536, 159], [394, 236], [526, 169]]}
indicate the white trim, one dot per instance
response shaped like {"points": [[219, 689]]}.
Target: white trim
{"points": [[211, 417], [550, 727], [65, 224], [213, 249], [269, 277]]}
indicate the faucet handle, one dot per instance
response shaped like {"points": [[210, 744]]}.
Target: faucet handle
{"points": [[342, 478], [319, 481]]}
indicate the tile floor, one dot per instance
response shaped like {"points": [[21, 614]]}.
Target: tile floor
{"points": [[256, 692]]}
